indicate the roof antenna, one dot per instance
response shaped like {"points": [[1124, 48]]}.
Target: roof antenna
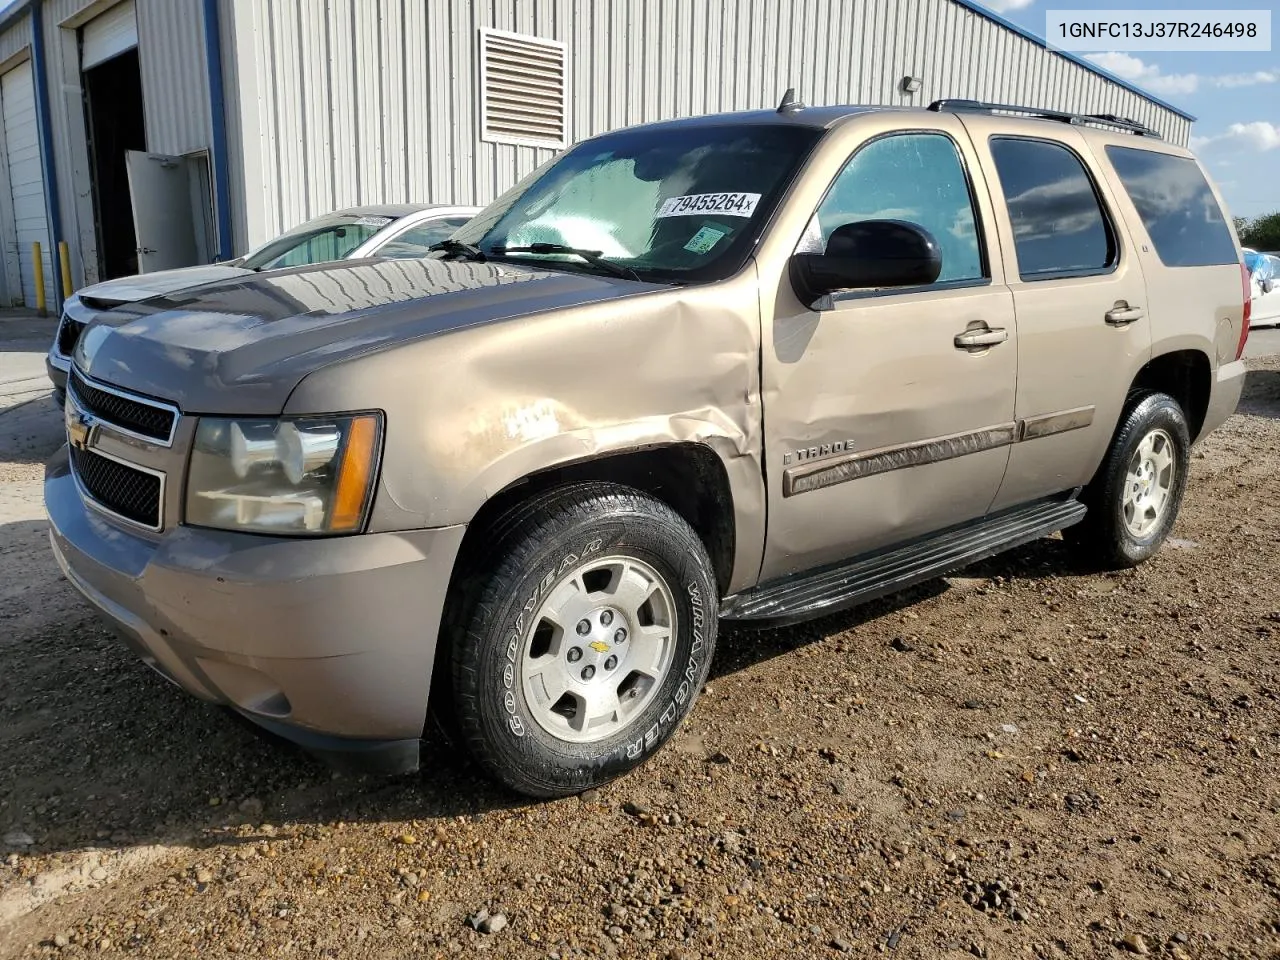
{"points": [[789, 102]]}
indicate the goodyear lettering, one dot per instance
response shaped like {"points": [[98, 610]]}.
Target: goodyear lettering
{"points": [[509, 704], [688, 681]]}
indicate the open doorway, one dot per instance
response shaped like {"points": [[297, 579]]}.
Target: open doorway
{"points": [[113, 111]]}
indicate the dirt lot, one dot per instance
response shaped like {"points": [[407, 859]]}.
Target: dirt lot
{"points": [[1026, 760]]}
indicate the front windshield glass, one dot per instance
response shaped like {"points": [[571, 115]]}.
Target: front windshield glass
{"points": [[325, 238], [675, 203]]}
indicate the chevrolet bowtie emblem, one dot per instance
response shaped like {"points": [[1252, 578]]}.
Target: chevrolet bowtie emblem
{"points": [[599, 646], [79, 427]]}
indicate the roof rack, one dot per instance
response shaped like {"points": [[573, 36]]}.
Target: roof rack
{"points": [[1092, 119]]}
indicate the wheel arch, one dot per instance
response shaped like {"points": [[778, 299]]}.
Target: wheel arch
{"points": [[689, 476], [1187, 376]]}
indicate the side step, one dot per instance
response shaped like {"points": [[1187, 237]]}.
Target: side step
{"points": [[831, 589]]}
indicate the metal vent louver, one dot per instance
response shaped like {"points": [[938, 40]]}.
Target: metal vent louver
{"points": [[523, 89]]}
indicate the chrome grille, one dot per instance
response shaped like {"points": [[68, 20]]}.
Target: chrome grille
{"points": [[149, 419], [119, 488]]}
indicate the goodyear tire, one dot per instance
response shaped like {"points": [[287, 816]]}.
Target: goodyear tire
{"points": [[1134, 499], [584, 641]]}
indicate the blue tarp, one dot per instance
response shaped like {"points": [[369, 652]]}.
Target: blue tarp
{"points": [[1260, 266]]}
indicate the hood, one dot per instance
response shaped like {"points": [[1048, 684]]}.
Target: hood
{"points": [[242, 346], [143, 286]]}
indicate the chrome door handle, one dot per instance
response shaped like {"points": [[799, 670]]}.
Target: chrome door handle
{"points": [[1121, 315], [981, 337]]}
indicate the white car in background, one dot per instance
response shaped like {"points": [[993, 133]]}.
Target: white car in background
{"points": [[1264, 286], [396, 231]]}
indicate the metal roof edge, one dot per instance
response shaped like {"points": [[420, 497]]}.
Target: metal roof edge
{"points": [[11, 14], [980, 10]]}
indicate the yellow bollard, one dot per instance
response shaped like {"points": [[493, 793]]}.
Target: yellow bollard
{"points": [[64, 258], [37, 265]]}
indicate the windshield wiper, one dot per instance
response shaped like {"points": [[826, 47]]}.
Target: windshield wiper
{"points": [[592, 257], [456, 247]]}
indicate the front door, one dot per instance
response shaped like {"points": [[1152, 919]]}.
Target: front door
{"points": [[1084, 327], [163, 220], [889, 413]]}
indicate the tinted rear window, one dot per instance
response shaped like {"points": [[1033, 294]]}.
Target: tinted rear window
{"points": [[1177, 207], [1059, 229]]}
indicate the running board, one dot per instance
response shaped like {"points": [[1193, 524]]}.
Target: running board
{"points": [[831, 589]]}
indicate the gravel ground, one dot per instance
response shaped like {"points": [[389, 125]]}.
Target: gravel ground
{"points": [[1028, 759]]}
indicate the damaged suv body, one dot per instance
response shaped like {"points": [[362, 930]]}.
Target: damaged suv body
{"points": [[755, 366]]}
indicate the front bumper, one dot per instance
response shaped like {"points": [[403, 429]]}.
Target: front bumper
{"points": [[329, 642]]}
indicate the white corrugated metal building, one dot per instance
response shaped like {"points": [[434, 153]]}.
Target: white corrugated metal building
{"points": [[245, 117]]}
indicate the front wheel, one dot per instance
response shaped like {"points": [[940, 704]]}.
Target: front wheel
{"points": [[586, 641], [1134, 499]]}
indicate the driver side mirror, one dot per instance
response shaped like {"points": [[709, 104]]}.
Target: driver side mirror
{"points": [[868, 254], [1268, 285]]}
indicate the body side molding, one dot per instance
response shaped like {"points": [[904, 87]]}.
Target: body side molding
{"points": [[807, 477]]}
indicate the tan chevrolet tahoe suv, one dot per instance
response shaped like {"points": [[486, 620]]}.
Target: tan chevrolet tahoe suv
{"points": [[752, 367]]}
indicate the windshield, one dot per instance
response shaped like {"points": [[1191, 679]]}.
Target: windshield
{"points": [[677, 204], [330, 237]]}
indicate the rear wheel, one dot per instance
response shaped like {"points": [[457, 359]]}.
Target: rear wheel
{"points": [[1134, 499], [585, 640]]}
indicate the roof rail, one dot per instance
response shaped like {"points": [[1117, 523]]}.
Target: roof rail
{"points": [[1093, 119]]}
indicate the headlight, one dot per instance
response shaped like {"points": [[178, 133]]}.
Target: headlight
{"points": [[304, 476]]}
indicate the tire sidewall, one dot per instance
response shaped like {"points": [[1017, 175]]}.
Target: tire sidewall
{"points": [[517, 743], [1154, 412]]}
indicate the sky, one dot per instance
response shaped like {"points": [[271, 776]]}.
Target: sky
{"points": [[1234, 96]]}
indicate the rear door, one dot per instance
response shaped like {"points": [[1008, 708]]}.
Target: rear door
{"points": [[1186, 247], [1080, 298]]}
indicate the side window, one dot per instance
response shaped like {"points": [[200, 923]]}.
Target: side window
{"points": [[1177, 207], [916, 177], [1059, 229], [417, 241]]}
